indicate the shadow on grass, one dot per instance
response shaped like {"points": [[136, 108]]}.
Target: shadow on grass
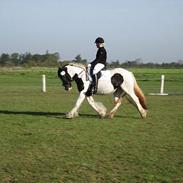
{"points": [[48, 114], [106, 117], [32, 113], [57, 114]]}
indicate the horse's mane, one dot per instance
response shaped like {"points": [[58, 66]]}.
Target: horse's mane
{"points": [[78, 65]]}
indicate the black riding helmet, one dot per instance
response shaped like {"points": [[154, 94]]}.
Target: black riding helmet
{"points": [[99, 40]]}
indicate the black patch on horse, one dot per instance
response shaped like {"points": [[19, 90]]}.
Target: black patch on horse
{"points": [[89, 91], [117, 80], [66, 78], [79, 82]]}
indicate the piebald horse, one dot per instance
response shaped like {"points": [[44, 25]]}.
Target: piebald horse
{"points": [[119, 82]]}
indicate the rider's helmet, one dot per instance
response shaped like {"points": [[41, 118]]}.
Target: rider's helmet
{"points": [[99, 40]]}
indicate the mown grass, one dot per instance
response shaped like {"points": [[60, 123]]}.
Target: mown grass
{"points": [[37, 143]]}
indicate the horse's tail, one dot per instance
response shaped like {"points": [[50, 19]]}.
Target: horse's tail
{"points": [[140, 95]]}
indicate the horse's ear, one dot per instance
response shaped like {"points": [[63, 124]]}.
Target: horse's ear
{"points": [[59, 71], [59, 68]]}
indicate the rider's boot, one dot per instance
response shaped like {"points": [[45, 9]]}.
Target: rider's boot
{"points": [[94, 83], [92, 89]]}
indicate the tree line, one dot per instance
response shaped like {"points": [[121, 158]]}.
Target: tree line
{"points": [[29, 60], [53, 60], [138, 63]]}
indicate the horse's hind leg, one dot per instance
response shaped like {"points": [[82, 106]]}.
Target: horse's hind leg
{"points": [[135, 100], [118, 94], [117, 103]]}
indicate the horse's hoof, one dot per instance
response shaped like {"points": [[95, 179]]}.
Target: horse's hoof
{"points": [[76, 114], [69, 116], [110, 115], [102, 115], [144, 114]]}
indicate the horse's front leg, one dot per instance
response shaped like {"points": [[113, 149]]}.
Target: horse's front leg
{"points": [[97, 106], [74, 112]]}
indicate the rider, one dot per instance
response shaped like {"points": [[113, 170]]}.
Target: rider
{"points": [[98, 64]]}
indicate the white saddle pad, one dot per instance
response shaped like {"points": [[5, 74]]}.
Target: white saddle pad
{"points": [[105, 75]]}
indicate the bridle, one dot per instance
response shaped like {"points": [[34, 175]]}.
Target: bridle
{"points": [[84, 68]]}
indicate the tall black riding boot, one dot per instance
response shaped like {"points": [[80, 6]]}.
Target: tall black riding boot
{"points": [[94, 83]]}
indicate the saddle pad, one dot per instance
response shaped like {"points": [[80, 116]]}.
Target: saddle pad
{"points": [[105, 75]]}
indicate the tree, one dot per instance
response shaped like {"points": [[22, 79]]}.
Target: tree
{"points": [[78, 59], [15, 58], [4, 59]]}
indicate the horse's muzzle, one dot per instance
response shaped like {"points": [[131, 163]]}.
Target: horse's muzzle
{"points": [[68, 88]]}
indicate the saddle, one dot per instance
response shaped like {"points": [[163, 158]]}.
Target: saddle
{"points": [[102, 75]]}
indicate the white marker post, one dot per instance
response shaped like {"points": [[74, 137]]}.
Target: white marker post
{"points": [[44, 83], [162, 84], [161, 87]]}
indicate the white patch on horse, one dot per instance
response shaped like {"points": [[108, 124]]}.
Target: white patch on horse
{"points": [[106, 75]]}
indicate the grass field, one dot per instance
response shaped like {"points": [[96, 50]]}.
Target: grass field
{"points": [[38, 145]]}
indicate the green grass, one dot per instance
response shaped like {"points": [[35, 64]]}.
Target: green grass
{"points": [[38, 145]]}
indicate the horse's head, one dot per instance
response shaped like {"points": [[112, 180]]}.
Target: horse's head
{"points": [[72, 72], [65, 78]]}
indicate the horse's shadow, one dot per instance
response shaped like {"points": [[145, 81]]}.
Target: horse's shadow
{"points": [[32, 113], [56, 114], [40, 113]]}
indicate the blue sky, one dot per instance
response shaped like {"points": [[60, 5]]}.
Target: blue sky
{"points": [[148, 29]]}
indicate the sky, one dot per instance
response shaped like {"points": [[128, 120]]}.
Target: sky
{"points": [[151, 30]]}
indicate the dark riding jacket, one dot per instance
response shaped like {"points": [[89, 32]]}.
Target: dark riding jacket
{"points": [[101, 57]]}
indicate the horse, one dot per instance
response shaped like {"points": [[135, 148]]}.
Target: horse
{"points": [[118, 81]]}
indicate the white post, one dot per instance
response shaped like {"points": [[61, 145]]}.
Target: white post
{"points": [[161, 87], [44, 83], [162, 84]]}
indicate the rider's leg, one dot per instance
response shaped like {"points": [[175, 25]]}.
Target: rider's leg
{"points": [[89, 69], [98, 67], [94, 83]]}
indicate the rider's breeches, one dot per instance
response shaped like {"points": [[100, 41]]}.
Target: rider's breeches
{"points": [[98, 67], [94, 70]]}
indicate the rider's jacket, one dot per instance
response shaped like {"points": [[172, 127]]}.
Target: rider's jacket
{"points": [[101, 57]]}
